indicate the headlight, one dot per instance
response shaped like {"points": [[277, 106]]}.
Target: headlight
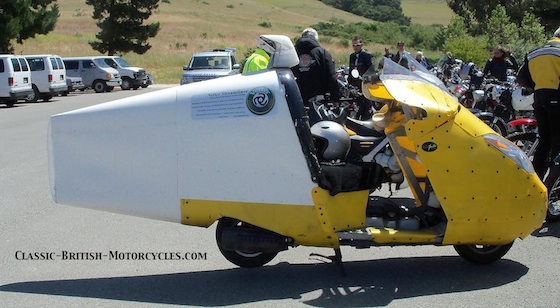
{"points": [[510, 150]]}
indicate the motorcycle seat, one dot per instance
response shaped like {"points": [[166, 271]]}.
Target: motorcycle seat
{"points": [[363, 128]]}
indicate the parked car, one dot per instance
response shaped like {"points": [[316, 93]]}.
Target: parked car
{"points": [[132, 77], [48, 77], [95, 73], [73, 83], [15, 79], [210, 64]]}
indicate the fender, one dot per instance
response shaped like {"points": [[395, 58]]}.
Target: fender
{"points": [[523, 121]]}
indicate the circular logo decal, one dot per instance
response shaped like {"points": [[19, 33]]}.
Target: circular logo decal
{"points": [[429, 146], [260, 100], [305, 60]]}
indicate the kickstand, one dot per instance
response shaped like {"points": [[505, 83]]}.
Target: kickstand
{"points": [[336, 259]]}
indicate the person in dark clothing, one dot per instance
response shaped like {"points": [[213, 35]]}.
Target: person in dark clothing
{"points": [[315, 74], [360, 60], [400, 57], [498, 65], [544, 66], [388, 54], [513, 61]]}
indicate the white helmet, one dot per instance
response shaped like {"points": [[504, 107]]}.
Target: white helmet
{"points": [[331, 140], [522, 99]]}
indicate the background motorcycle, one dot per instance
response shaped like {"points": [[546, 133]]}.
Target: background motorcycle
{"points": [[528, 142]]}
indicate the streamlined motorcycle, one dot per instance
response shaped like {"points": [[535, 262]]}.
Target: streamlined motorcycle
{"points": [[239, 151]]}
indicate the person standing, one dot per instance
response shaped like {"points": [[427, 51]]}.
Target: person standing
{"points": [[257, 61], [544, 66], [315, 74], [360, 60], [421, 59], [401, 56], [498, 65], [388, 54]]}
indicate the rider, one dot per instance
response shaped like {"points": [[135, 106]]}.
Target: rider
{"points": [[315, 74], [360, 60], [544, 65]]}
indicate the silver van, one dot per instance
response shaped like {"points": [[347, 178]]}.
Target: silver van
{"points": [[15, 79], [95, 73], [48, 77], [132, 77]]}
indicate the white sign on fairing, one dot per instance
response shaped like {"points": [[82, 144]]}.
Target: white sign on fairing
{"points": [[232, 104]]}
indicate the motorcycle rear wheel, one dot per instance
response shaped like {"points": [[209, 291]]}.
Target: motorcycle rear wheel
{"points": [[247, 259], [552, 183], [482, 254]]}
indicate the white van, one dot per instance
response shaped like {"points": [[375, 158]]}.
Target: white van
{"points": [[132, 77], [15, 79], [48, 76], [95, 73]]}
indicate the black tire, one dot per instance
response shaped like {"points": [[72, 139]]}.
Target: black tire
{"points": [[33, 97], [99, 86], [47, 98], [9, 104], [525, 141], [248, 259], [482, 254], [552, 183], [126, 83]]}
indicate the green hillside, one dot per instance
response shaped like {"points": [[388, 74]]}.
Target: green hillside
{"points": [[189, 26]]}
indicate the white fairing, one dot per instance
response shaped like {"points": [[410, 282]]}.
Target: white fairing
{"points": [[285, 55], [142, 155], [521, 101]]}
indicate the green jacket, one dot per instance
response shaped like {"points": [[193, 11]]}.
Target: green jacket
{"points": [[257, 61]]}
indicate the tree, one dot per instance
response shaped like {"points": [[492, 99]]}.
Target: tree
{"points": [[23, 19], [501, 31], [476, 13], [121, 23], [378, 10]]}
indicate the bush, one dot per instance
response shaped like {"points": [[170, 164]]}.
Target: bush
{"points": [[265, 24]]}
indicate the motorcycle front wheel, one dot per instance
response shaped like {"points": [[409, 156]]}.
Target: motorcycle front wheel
{"points": [[552, 183], [482, 254], [496, 124], [248, 259], [527, 142]]}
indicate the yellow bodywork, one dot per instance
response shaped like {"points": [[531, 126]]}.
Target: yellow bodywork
{"points": [[486, 197], [313, 225]]}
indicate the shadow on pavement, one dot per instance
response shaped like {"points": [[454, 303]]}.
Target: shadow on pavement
{"points": [[367, 283], [548, 229]]}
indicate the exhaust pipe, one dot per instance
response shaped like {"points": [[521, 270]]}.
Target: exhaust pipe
{"points": [[252, 240]]}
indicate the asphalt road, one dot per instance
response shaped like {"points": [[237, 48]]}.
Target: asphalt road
{"points": [[30, 222]]}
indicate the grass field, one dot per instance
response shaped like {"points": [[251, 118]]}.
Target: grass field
{"points": [[189, 26]]}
